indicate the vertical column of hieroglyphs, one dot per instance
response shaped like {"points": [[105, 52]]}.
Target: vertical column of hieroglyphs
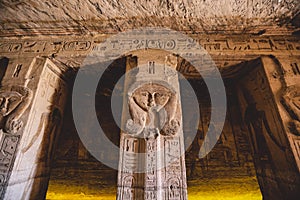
{"points": [[129, 183]]}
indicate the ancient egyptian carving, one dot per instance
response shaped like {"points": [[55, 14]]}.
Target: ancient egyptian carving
{"points": [[153, 111], [174, 188], [128, 183], [291, 101], [14, 100], [257, 120], [49, 124]]}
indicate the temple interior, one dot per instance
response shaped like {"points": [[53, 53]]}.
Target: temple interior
{"points": [[159, 67], [77, 174]]}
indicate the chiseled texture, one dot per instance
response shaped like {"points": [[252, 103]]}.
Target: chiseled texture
{"points": [[21, 17]]}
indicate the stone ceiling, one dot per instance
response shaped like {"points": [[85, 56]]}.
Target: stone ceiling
{"points": [[77, 17]]}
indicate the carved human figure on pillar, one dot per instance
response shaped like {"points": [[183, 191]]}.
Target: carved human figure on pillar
{"points": [[48, 127], [291, 101], [13, 102], [153, 111], [257, 120], [49, 123]]}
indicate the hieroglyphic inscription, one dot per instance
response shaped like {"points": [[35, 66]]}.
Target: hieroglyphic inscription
{"points": [[295, 68], [291, 101], [274, 44], [77, 45], [151, 170], [130, 164], [34, 46], [17, 70], [10, 47], [174, 174], [130, 158], [8, 148]]}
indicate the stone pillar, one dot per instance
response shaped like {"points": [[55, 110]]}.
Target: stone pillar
{"points": [[283, 74], [32, 95], [151, 162], [262, 93]]}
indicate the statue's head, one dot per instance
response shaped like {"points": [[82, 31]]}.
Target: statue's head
{"points": [[151, 95], [9, 100]]}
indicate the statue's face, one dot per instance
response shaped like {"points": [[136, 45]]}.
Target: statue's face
{"points": [[9, 101], [151, 95], [162, 96]]}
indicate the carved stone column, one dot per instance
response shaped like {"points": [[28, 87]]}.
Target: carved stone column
{"points": [[32, 98], [264, 93], [151, 149]]}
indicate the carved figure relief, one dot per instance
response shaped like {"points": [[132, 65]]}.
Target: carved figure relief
{"points": [[257, 125], [153, 111], [174, 189], [128, 192], [13, 102], [260, 131], [291, 101], [48, 125]]}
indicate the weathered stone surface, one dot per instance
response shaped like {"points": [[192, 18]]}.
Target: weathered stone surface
{"points": [[88, 17], [237, 34]]}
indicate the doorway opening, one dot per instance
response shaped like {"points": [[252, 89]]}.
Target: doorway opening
{"points": [[235, 166]]}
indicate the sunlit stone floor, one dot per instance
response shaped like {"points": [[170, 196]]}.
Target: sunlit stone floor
{"points": [[235, 188]]}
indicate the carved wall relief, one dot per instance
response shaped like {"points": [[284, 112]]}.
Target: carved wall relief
{"points": [[129, 183], [49, 124], [14, 100], [153, 111], [291, 101], [174, 189]]}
